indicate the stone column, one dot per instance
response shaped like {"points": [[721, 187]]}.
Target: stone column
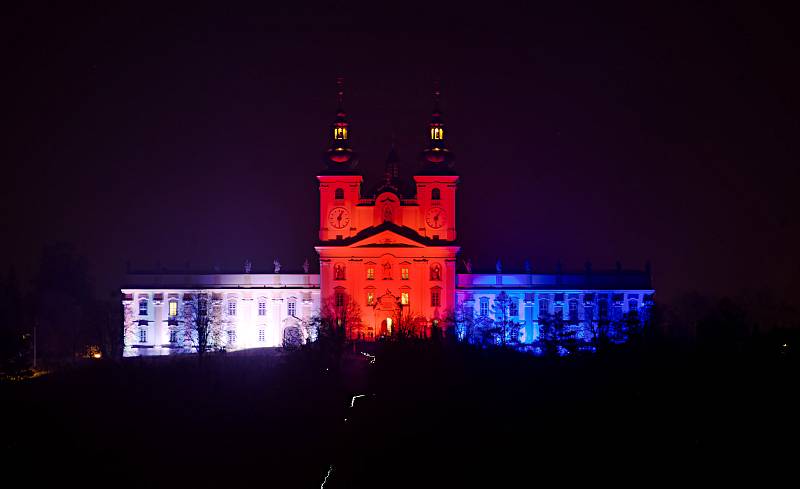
{"points": [[277, 305], [531, 326], [158, 326]]}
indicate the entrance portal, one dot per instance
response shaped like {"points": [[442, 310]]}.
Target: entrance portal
{"points": [[386, 327]]}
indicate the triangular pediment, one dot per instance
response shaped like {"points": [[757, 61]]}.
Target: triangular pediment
{"points": [[388, 235], [387, 239]]}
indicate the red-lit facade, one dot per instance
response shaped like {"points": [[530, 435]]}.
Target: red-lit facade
{"points": [[391, 251]]}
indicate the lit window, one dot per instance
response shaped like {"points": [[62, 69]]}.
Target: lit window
{"points": [[370, 273], [173, 336], [484, 306], [232, 308], [437, 133], [404, 298], [231, 336], [143, 307], [404, 273], [261, 336], [435, 298], [436, 194], [173, 308], [513, 308], [370, 298], [142, 336], [340, 132], [573, 310], [262, 308], [292, 308]]}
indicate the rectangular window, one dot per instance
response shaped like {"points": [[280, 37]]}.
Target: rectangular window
{"points": [[404, 298], [484, 306], [573, 310], [261, 336], [262, 308], [513, 308], [173, 336], [143, 308], [339, 299], [559, 311], [544, 307], [173, 308], [142, 336], [404, 273], [292, 308], [370, 273], [203, 307], [602, 309], [370, 298], [232, 308], [435, 298], [231, 336]]}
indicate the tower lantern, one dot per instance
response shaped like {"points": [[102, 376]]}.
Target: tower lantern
{"points": [[436, 157], [339, 156]]}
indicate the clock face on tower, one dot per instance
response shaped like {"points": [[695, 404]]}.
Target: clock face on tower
{"points": [[339, 218], [435, 217]]}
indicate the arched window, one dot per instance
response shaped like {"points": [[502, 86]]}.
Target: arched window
{"points": [[436, 194], [436, 272], [143, 307], [339, 194]]}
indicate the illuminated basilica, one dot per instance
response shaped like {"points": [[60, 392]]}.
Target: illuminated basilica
{"points": [[388, 265]]}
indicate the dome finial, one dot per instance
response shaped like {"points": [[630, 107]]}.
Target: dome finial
{"points": [[437, 93], [340, 92]]}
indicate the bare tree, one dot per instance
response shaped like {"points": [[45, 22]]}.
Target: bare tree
{"points": [[500, 311], [202, 318], [408, 324]]}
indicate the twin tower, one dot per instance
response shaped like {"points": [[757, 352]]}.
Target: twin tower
{"points": [[388, 258]]}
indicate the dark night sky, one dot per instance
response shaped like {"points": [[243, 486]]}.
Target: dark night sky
{"points": [[597, 133]]}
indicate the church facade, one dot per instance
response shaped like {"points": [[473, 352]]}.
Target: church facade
{"points": [[388, 265]]}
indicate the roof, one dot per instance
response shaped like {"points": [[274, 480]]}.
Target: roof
{"points": [[403, 231]]}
